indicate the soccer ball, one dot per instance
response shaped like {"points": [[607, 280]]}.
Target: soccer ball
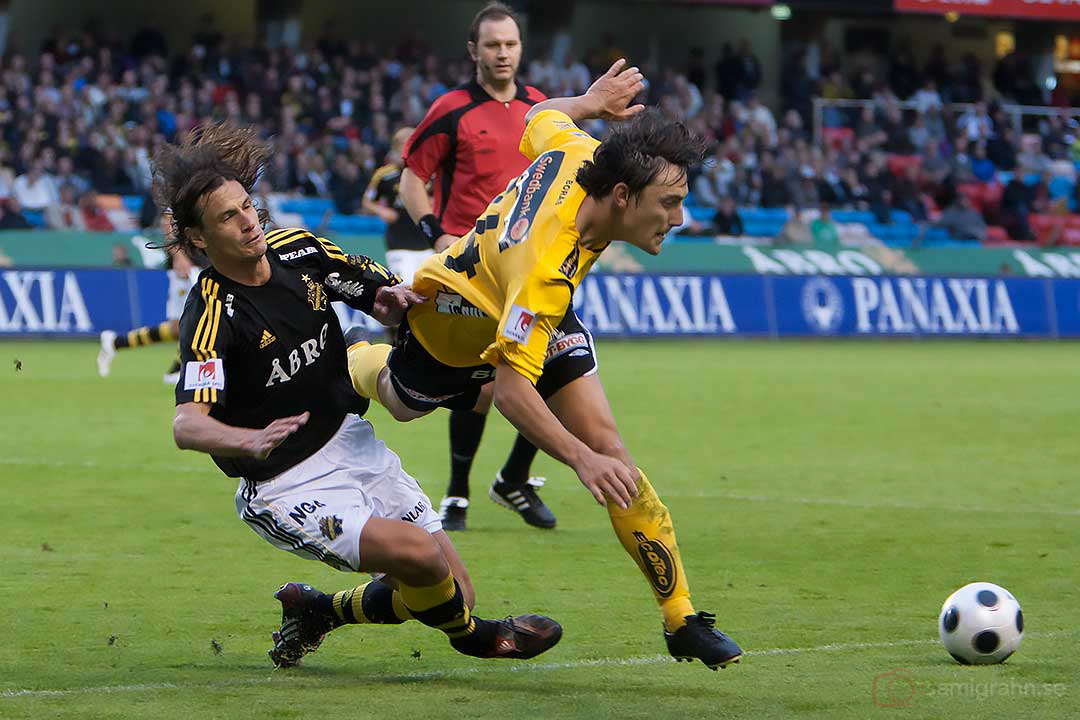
{"points": [[981, 624]]}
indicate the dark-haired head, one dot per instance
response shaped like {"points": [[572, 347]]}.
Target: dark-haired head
{"points": [[186, 175], [495, 46], [641, 171], [637, 151]]}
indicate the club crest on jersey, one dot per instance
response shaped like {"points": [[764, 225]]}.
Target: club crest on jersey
{"points": [[330, 526], [658, 564], [519, 324], [204, 374], [316, 294]]}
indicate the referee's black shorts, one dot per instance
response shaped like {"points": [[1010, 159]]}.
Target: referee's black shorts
{"points": [[423, 383]]}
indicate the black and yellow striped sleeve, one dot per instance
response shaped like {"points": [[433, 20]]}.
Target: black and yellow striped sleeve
{"points": [[372, 192], [204, 338]]}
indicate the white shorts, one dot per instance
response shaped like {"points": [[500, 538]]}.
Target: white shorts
{"points": [[179, 287], [405, 263], [318, 509]]}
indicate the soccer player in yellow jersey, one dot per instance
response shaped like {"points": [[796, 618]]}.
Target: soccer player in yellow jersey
{"points": [[499, 309]]}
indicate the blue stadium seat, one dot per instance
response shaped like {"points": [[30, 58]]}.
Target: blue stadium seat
{"points": [[133, 203], [307, 205]]}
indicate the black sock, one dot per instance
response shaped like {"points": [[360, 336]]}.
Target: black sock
{"points": [[466, 429], [516, 469]]}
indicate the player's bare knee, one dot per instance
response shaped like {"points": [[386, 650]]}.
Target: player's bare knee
{"points": [[420, 559]]}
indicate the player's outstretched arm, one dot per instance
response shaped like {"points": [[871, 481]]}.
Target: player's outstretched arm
{"points": [[417, 203], [194, 429], [608, 98], [604, 476]]}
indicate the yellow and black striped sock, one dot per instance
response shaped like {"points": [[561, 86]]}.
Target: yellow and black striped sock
{"points": [[146, 335], [646, 533], [376, 602], [443, 607]]}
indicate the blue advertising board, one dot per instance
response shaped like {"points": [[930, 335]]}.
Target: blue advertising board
{"points": [[73, 302]]}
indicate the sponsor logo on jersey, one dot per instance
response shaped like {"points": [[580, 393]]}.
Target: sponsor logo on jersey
{"points": [[348, 288], [267, 338], [449, 303], [295, 254], [569, 266], [564, 191], [310, 349], [316, 294], [564, 344], [330, 526], [414, 514], [519, 324], [658, 564], [537, 180], [201, 374]]}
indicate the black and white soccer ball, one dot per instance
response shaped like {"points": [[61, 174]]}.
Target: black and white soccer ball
{"points": [[981, 624]]}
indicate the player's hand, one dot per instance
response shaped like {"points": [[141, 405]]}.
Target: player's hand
{"points": [[392, 302], [614, 90], [445, 241], [264, 441], [607, 478]]}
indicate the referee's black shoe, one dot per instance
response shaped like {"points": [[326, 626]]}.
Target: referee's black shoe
{"points": [[699, 640], [303, 627], [522, 499]]}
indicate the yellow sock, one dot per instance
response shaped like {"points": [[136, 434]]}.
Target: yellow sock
{"points": [[646, 533], [440, 606], [165, 332], [366, 361], [375, 602]]}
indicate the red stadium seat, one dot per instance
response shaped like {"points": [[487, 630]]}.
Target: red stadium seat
{"points": [[996, 235], [974, 192], [991, 197], [1071, 236], [838, 137], [899, 164]]}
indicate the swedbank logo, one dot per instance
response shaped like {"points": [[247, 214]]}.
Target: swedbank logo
{"points": [[659, 565]]}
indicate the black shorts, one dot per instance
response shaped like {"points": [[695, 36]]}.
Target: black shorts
{"points": [[423, 383]]}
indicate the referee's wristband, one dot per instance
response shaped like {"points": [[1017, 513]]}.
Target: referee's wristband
{"points": [[431, 227]]}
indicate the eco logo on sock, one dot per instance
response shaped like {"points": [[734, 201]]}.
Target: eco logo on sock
{"points": [[658, 563]]}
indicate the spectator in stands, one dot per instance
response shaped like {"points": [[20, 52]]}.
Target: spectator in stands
{"points": [[774, 186], [120, 256], [1001, 149], [64, 214], [927, 98], [1031, 158], [795, 231], [346, 186], [34, 190], [824, 230], [982, 167], [66, 177], [748, 71], [963, 221], [761, 120], [713, 182], [975, 124], [726, 221], [1015, 207]]}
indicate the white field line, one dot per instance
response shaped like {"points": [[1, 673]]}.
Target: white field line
{"points": [[882, 504], [487, 669]]}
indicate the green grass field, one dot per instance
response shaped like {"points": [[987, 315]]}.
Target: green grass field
{"points": [[827, 497]]}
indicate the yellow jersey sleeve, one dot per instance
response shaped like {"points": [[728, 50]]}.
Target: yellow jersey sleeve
{"points": [[551, 129]]}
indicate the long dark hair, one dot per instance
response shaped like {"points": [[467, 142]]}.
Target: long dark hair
{"points": [[635, 152], [208, 157]]}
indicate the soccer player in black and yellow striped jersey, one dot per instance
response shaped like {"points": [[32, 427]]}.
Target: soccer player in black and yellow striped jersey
{"points": [[265, 391], [500, 310]]}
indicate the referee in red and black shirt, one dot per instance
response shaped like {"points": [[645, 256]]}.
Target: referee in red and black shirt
{"points": [[469, 143]]}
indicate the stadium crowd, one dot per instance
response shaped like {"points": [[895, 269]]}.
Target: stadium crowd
{"points": [[84, 116]]}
